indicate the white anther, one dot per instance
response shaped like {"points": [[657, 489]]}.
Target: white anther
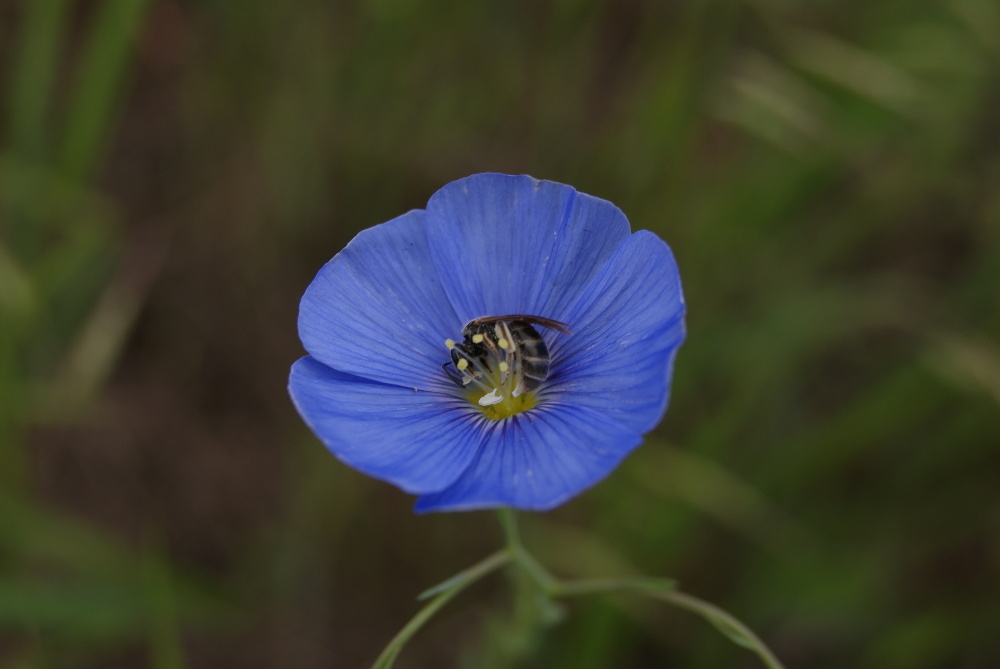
{"points": [[493, 397], [477, 339], [462, 364], [450, 343], [502, 343]]}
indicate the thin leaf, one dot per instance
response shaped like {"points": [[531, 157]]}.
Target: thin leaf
{"points": [[455, 585], [626, 584], [736, 631]]}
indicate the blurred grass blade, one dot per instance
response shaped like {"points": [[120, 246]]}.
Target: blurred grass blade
{"points": [[970, 359], [73, 582], [83, 609], [772, 102], [720, 494], [13, 459], [983, 19], [17, 296], [161, 606], [34, 76], [98, 81], [99, 342], [859, 70]]}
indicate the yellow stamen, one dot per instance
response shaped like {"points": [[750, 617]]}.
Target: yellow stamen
{"points": [[489, 371]]}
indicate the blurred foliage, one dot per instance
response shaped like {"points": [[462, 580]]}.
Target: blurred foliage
{"points": [[172, 173]]}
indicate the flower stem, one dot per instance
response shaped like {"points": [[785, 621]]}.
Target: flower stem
{"points": [[514, 638], [508, 521], [442, 595], [545, 581]]}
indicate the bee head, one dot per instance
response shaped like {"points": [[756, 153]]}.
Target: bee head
{"points": [[475, 341]]}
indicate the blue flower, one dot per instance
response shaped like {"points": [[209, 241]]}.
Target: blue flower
{"points": [[403, 383]]}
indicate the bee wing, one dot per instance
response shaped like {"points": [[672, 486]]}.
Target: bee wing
{"points": [[535, 320]]}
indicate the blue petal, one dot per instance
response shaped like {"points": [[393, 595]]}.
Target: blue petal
{"points": [[515, 245], [419, 441], [378, 310], [627, 327], [537, 460]]}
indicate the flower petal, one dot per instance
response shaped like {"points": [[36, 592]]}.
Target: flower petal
{"points": [[627, 327], [419, 441], [537, 460], [514, 245], [378, 310]]}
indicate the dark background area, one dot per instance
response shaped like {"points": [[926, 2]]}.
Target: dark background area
{"points": [[173, 173]]}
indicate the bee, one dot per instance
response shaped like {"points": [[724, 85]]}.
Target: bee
{"points": [[512, 342]]}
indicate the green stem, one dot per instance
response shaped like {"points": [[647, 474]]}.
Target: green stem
{"points": [[454, 586], [548, 583], [508, 521]]}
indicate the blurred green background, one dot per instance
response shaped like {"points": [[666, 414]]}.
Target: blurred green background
{"points": [[173, 173]]}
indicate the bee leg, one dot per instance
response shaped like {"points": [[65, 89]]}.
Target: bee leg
{"points": [[453, 375]]}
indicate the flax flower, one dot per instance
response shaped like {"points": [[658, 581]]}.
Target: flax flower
{"points": [[575, 323]]}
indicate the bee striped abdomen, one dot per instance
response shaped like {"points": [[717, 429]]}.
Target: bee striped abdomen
{"points": [[534, 354]]}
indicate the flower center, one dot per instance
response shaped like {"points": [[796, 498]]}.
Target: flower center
{"points": [[499, 366]]}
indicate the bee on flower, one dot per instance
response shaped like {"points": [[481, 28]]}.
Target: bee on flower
{"points": [[506, 347]]}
